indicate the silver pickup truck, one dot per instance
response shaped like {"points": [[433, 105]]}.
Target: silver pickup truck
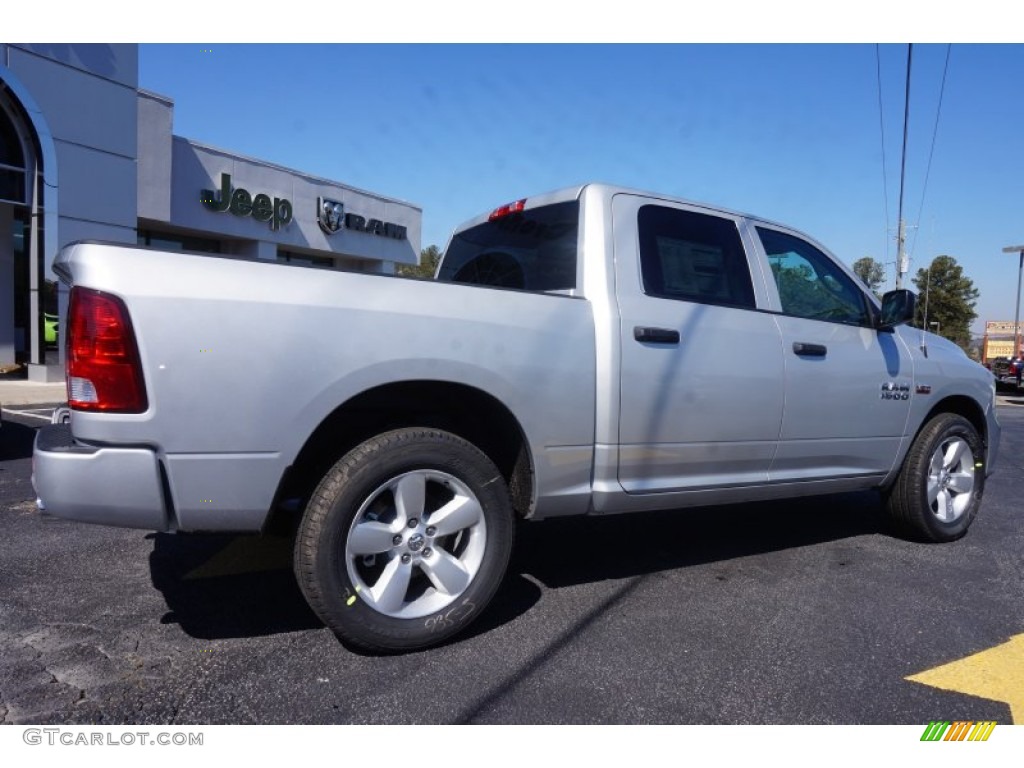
{"points": [[590, 351]]}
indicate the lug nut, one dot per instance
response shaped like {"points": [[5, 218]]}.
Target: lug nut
{"points": [[413, 522], [396, 540], [428, 552], [431, 531], [406, 558]]}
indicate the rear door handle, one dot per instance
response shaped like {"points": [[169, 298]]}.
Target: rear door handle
{"points": [[656, 335], [809, 350]]}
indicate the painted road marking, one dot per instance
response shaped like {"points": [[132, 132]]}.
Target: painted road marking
{"points": [[246, 554], [31, 413], [996, 674]]}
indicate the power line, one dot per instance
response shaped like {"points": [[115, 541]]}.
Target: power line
{"points": [[935, 132], [906, 126]]}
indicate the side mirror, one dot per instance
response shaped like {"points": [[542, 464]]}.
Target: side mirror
{"points": [[897, 308]]}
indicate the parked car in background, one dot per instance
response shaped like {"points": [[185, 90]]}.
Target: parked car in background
{"points": [[51, 328], [1007, 371]]}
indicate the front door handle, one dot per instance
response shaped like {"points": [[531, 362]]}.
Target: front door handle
{"points": [[804, 349], [656, 335]]}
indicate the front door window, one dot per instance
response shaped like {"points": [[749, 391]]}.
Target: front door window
{"points": [[810, 284]]}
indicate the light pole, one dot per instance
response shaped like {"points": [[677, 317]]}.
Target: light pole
{"points": [[1016, 317], [938, 327]]}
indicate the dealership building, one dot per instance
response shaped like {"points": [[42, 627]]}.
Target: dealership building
{"points": [[86, 155]]}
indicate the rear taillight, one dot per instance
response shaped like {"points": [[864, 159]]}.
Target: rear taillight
{"points": [[103, 367]]}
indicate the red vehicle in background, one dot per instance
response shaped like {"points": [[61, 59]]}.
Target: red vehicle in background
{"points": [[1008, 371]]}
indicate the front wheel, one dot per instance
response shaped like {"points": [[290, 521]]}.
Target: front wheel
{"points": [[405, 540], [938, 491]]}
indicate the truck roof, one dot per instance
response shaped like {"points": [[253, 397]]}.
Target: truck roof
{"points": [[607, 191]]}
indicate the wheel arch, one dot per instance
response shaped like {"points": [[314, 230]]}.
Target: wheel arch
{"points": [[962, 406], [474, 415]]}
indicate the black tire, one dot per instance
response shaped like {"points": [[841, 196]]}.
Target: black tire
{"points": [[938, 491], [411, 593]]}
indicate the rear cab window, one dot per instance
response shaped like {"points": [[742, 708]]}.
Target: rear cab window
{"points": [[531, 250]]}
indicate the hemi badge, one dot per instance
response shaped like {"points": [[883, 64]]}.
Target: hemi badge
{"points": [[923, 389]]}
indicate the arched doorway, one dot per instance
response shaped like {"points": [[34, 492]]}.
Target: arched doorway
{"points": [[25, 336]]}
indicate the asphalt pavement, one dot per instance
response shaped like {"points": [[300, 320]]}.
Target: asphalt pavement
{"points": [[803, 611]]}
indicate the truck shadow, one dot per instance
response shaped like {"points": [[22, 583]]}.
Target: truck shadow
{"points": [[225, 586], [571, 551], [16, 440], [221, 585]]}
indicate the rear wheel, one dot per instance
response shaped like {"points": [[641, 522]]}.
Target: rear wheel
{"points": [[938, 491], [405, 540]]}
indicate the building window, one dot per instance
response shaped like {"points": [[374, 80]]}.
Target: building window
{"points": [[12, 162], [287, 257], [169, 242]]}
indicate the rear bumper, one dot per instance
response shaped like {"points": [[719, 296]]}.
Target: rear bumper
{"points": [[109, 486]]}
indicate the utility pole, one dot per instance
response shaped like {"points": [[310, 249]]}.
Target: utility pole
{"points": [[1016, 317], [901, 257]]}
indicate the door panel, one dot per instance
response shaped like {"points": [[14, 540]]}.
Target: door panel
{"points": [[701, 383], [837, 419], [848, 386]]}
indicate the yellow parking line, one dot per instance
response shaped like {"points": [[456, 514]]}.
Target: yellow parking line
{"points": [[996, 673]]}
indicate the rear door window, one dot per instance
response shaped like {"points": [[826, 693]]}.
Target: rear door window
{"points": [[693, 257]]}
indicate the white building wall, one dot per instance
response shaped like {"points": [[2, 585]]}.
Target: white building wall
{"points": [[156, 115], [88, 95], [111, 160], [197, 167]]}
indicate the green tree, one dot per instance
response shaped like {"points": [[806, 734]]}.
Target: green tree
{"points": [[429, 257], [871, 272], [949, 298]]}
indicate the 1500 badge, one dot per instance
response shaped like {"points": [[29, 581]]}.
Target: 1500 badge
{"points": [[893, 391]]}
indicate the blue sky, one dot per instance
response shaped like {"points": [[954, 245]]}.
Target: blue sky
{"points": [[788, 132]]}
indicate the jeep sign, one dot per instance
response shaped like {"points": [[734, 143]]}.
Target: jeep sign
{"points": [[242, 203]]}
